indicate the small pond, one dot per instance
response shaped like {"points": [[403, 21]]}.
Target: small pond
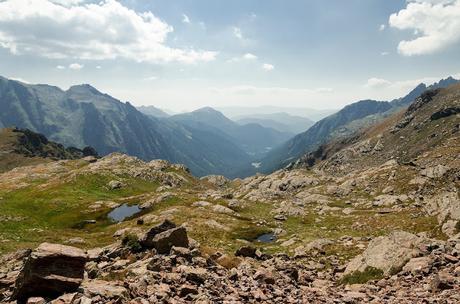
{"points": [[123, 212], [266, 238]]}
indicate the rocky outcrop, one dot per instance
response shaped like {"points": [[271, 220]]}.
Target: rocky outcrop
{"points": [[216, 180], [387, 253], [50, 271]]}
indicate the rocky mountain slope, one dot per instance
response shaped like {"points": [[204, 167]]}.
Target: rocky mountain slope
{"points": [[24, 147], [342, 124], [374, 220]]}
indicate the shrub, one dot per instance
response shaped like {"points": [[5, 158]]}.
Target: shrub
{"points": [[131, 241]]}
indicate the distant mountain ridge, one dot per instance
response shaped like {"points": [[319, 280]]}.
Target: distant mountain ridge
{"points": [[153, 111], [253, 138], [234, 112], [341, 124], [83, 116], [281, 121]]}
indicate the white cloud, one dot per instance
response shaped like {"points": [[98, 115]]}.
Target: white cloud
{"points": [[185, 19], [382, 27], [268, 67], [106, 30], [377, 83], [67, 2], [237, 32], [250, 56], [98, 67], [60, 67], [384, 53], [435, 23], [245, 57], [76, 66]]}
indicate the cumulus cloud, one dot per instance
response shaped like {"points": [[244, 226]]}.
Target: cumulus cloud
{"points": [[60, 67], [382, 27], [106, 30], [268, 67], [76, 66], [435, 24], [377, 83]]}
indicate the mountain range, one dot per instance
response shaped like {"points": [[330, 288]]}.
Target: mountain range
{"points": [[281, 121], [345, 122], [205, 140]]}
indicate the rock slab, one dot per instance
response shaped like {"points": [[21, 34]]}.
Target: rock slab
{"points": [[50, 271]]}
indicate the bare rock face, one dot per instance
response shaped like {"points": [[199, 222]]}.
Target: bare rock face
{"points": [[50, 271], [387, 253]]}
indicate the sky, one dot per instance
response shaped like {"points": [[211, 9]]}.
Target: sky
{"points": [[186, 54]]}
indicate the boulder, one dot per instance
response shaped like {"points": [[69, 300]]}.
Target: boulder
{"points": [[114, 184], [50, 271], [146, 240], [387, 253], [246, 251], [164, 241], [418, 265], [435, 172], [222, 209], [445, 205]]}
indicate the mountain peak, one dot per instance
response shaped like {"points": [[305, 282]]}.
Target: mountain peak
{"points": [[84, 88], [207, 110]]}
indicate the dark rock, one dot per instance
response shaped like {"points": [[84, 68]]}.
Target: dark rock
{"points": [[50, 271], [187, 289], [147, 239], [164, 241], [246, 251], [445, 113]]}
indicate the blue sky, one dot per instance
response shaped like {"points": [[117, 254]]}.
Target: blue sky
{"points": [[186, 54]]}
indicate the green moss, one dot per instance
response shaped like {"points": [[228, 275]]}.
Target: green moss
{"points": [[361, 277]]}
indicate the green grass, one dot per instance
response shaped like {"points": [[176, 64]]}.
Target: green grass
{"points": [[358, 277], [51, 210]]}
